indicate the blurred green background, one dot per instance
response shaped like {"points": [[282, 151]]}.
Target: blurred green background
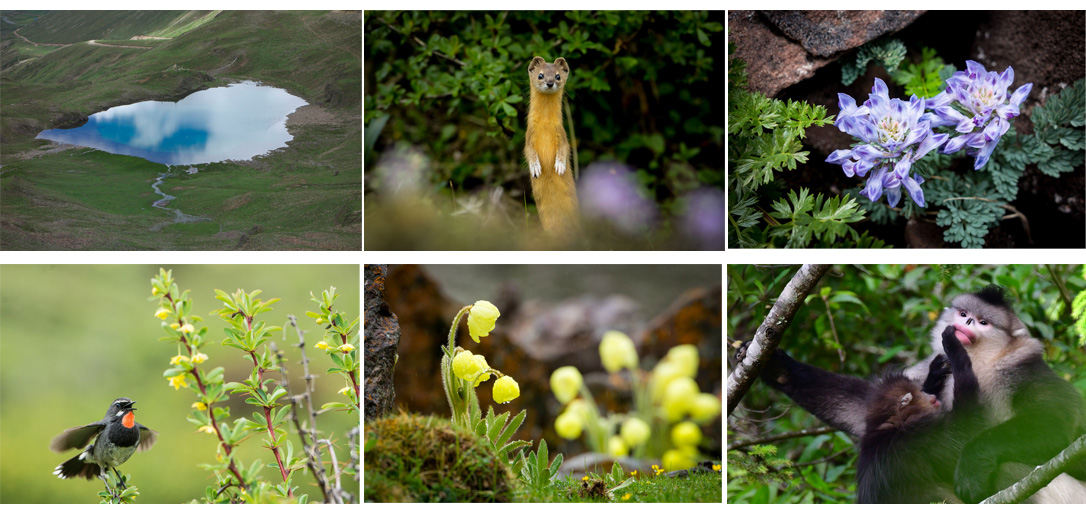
{"points": [[75, 337]]}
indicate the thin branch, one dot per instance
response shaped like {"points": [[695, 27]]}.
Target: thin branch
{"points": [[769, 333], [781, 437], [1041, 476]]}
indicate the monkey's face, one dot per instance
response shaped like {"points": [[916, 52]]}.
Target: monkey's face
{"points": [[901, 404], [980, 326]]}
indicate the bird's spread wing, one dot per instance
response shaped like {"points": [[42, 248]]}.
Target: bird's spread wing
{"points": [[75, 437], [147, 438]]}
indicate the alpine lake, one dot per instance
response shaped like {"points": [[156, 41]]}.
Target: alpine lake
{"points": [[235, 122]]}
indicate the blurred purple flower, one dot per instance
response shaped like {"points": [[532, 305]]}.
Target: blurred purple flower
{"points": [[705, 218], [894, 134], [609, 192], [975, 102]]}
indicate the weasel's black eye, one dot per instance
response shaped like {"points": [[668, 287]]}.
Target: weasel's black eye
{"points": [[541, 76], [557, 77], [961, 313]]}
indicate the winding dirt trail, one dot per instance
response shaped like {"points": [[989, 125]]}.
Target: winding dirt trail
{"points": [[39, 44], [96, 43]]}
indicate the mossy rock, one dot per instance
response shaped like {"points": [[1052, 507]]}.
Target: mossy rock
{"points": [[416, 458]]}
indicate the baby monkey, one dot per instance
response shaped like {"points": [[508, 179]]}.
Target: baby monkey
{"points": [[910, 447]]}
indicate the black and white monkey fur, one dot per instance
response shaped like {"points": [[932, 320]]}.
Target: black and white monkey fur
{"points": [[1028, 414]]}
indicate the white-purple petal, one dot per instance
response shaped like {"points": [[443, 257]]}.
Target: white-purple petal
{"points": [[976, 69], [984, 153], [861, 168], [893, 195], [930, 143], [1020, 94], [918, 133], [839, 156], [914, 190], [867, 153], [955, 144]]}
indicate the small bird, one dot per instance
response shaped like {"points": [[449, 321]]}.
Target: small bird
{"points": [[118, 436]]}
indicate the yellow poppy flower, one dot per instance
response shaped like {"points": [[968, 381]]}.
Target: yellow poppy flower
{"points": [[568, 426], [565, 383], [686, 433], [506, 389], [635, 431], [617, 351], [481, 318]]}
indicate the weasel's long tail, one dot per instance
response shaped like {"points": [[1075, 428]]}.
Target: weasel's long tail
{"points": [[556, 201]]}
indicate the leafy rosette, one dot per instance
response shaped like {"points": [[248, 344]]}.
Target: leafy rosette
{"points": [[893, 135], [975, 102]]}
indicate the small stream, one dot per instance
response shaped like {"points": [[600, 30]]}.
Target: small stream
{"points": [[178, 216]]}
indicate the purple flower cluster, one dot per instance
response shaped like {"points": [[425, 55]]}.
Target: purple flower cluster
{"points": [[895, 134], [975, 103]]}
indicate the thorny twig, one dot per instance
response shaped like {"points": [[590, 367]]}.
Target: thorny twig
{"points": [[309, 443]]}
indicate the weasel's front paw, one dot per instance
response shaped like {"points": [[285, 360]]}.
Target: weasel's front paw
{"points": [[559, 166], [535, 168]]}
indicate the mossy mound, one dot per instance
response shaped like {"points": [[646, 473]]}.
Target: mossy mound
{"points": [[416, 458]]}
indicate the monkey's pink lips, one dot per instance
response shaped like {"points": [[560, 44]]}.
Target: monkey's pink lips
{"points": [[963, 334]]}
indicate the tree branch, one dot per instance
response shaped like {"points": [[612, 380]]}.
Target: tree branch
{"points": [[769, 333], [1041, 476], [781, 437]]}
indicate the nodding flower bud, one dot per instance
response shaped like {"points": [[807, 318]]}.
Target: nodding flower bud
{"points": [[506, 389], [685, 358], [464, 365], [568, 425], [686, 433], [481, 318], [635, 431], [617, 351], [565, 383]]}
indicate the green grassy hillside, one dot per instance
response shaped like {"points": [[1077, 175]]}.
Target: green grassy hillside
{"points": [[307, 196], [74, 26]]}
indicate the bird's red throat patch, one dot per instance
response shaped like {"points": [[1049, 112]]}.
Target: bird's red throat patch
{"points": [[129, 419]]}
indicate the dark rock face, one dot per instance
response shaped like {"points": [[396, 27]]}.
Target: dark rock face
{"points": [[1044, 47], [382, 337], [824, 33], [68, 120], [782, 48]]}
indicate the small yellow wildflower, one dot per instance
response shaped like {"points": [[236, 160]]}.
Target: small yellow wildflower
{"points": [[207, 429], [178, 381], [565, 383], [199, 405], [199, 357], [584, 478], [481, 318], [716, 467], [627, 497], [162, 313], [155, 291], [686, 433], [346, 349], [188, 328], [568, 425], [635, 431], [685, 357], [175, 325], [345, 390], [617, 447], [705, 408], [177, 359], [617, 351], [321, 345], [506, 389]]}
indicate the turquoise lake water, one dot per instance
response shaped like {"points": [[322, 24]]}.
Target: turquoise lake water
{"points": [[235, 122]]}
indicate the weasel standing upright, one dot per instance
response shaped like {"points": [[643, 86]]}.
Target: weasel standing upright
{"points": [[547, 150]]}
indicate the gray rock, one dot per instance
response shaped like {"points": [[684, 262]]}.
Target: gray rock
{"points": [[824, 33]]}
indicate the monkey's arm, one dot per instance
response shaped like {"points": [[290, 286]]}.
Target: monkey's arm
{"points": [[966, 385], [837, 400], [1048, 416]]}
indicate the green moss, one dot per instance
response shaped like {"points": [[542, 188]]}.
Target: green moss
{"points": [[417, 458]]}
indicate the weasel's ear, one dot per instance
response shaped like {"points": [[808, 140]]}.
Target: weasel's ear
{"points": [[561, 63], [536, 63]]}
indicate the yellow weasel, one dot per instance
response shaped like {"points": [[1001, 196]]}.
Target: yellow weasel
{"points": [[547, 150]]}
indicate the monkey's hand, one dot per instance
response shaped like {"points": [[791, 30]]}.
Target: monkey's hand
{"points": [[952, 345], [938, 371], [535, 168], [559, 166]]}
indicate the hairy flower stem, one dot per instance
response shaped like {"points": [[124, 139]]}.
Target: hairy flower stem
{"points": [[203, 390], [459, 393]]}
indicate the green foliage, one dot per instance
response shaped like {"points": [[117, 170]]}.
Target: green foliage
{"points": [[926, 78], [122, 491], [497, 434], [1078, 311], [887, 52], [245, 332], [535, 472], [765, 138], [902, 304], [343, 349], [1058, 137], [814, 218]]}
